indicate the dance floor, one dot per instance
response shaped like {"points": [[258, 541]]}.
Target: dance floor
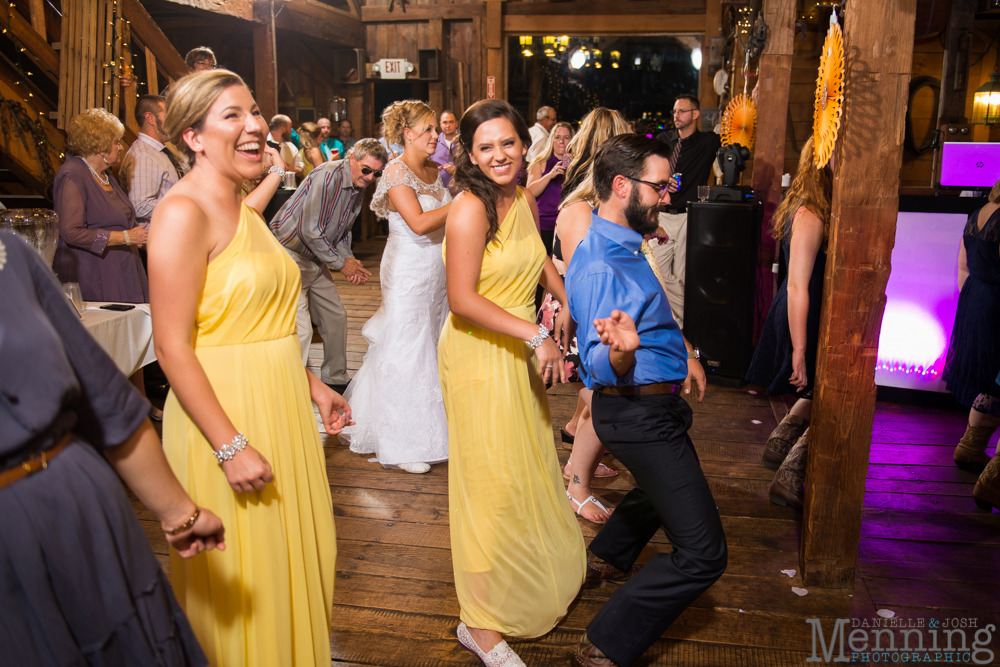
{"points": [[926, 550]]}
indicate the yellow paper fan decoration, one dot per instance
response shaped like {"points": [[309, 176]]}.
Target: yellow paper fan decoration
{"points": [[829, 95], [739, 123]]}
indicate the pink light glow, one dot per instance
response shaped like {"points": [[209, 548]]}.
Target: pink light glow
{"points": [[921, 298]]}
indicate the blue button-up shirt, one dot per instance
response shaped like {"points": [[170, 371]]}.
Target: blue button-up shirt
{"points": [[609, 272]]}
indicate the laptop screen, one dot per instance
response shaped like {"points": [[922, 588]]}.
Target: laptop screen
{"points": [[970, 164]]}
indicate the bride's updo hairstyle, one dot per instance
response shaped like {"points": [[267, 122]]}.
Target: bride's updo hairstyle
{"points": [[469, 176], [398, 116], [189, 101]]}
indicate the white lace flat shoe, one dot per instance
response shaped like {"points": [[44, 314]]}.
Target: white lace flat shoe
{"points": [[415, 468], [502, 654]]}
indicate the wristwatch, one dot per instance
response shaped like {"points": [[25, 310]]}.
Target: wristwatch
{"points": [[275, 169], [694, 353]]}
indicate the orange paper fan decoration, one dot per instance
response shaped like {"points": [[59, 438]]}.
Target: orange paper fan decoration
{"points": [[739, 123], [829, 95]]}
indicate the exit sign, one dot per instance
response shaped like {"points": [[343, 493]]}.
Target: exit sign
{"points": [[394, 68]]}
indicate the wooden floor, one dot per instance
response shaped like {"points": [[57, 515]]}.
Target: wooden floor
{"points": [[926, 550]]}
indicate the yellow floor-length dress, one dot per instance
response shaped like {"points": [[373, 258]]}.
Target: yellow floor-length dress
{"points": [[517, 550], [267, 599]]}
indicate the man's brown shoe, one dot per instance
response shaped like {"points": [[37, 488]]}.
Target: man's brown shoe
{"points": [[600, 570], [588, 655]]}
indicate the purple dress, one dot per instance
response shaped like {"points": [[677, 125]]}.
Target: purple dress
{"points": [[87, 216], [79, 584], [548, 201]]}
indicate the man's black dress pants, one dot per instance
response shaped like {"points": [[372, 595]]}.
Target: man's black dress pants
{"points": [[648, 434]]}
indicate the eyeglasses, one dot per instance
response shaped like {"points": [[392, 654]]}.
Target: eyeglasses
{"points": [[661, 188], [678, 112], [204, 63], [369, 170]]}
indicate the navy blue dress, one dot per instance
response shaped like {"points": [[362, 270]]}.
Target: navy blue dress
{"points": [[772, 360], [79, 584], [974, 353]]}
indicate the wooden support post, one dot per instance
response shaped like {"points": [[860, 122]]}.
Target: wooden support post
{"points": [[878, 43], [494, 64], [152, 83], [435, 40], [955, 64], [713, 28], [769, 150], [265, 68], [38, 17], [129, 93]]}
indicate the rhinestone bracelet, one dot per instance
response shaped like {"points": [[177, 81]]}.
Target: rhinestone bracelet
{"points": [[227, 452], [539, 337]]}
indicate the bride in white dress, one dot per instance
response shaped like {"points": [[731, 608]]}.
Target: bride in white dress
{"points": [[395, 397]]}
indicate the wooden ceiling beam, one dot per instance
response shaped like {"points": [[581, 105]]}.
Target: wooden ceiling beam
{"points": [[346, 31], [447, 12], [145, 30], [241, 9], [598, 7], [597, 24], [320, 11]]}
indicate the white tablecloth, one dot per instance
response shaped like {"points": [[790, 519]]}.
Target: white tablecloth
{"points": [[125, 335]]}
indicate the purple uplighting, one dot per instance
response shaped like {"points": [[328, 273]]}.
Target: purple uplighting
{"points": [[921, 298]]}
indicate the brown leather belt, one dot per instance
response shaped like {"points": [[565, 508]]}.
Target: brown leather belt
{"points": [[644, 389], [37, 462]]}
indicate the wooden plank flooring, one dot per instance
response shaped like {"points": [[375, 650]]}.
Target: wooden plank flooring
{"points": [[926, 550]]}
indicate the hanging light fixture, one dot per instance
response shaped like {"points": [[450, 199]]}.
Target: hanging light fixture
{"points": [[986, 99]]}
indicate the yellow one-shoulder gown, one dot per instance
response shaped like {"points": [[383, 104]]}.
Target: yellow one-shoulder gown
{"points": [[516, 548], [267, 599]]}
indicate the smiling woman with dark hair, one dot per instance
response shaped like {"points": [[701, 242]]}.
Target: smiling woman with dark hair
{"points": [[517, 551]]}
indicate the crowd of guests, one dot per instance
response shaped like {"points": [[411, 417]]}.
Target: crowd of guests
{"points": [[517, 258]]}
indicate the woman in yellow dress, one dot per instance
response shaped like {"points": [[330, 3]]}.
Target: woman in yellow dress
{"points": [[517, 551], [238, 428]]}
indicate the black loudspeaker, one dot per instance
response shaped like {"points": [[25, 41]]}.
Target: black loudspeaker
{"points": [[349, 65], [721, 285]]}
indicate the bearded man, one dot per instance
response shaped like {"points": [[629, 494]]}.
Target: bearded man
{"points": [[638, 363]]}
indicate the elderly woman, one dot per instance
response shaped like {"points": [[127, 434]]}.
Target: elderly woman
{"points": [[98, 238]]}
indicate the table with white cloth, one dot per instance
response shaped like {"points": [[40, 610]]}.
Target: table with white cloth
{"points": [[126, 335]]}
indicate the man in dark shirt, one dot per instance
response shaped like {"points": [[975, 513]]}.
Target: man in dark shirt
{"points": [[636, 360], [692, 154]]}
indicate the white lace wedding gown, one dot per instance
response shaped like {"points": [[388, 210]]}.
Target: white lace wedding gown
{"points": [[395, 397]]}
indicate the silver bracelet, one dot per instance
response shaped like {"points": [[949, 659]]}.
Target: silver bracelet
{"points": [[539, 337], [127, 241], [275, 169], [227, 452]]}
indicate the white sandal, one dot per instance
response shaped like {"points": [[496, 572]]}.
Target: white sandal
{"points": [[590, 499], [502, 655]]}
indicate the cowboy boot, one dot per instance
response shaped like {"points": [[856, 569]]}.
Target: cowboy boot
{"points": [[969, 453], [987, 491], [782, 439], [786, 489]]}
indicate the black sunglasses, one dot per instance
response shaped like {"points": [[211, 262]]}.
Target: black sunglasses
{"points": [[369, 170], [661, 188]]}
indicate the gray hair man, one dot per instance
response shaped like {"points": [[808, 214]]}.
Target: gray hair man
{"points": [[545, 118], [314, 225]]}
